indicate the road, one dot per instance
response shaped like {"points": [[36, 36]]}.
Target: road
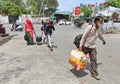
{"points": [[36, 64]]}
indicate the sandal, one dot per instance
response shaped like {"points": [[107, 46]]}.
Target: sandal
{"points": [[96, 77]]}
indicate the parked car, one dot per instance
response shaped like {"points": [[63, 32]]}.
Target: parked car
{"points": [[64, 22]]}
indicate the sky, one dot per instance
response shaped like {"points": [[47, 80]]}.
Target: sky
{"points": [[68, 5]]}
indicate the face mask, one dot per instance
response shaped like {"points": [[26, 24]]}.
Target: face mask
{"points": [[99, 25]]}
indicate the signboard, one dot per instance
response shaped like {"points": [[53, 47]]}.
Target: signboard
{"points": [[77, 11]]}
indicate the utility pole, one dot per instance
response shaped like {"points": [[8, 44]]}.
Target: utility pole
{"points": [[41, 8]]}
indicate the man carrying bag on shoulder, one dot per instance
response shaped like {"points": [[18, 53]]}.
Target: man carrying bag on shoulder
{"points": [[87, 43]]}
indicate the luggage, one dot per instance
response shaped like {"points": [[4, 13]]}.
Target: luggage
{"points": [[28, 38], [2, 30], [78, 59], [38, 38], [77, 40]]}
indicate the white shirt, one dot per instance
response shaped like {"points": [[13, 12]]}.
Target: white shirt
{"points": [[90, 35]]}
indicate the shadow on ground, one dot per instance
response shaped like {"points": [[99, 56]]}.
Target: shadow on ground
{"points": [[82, 73], [39, 43], [6, 39], [78, 73], [54, 46]]}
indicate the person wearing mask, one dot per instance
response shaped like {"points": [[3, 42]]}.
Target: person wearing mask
{"points": [[87, 43]]}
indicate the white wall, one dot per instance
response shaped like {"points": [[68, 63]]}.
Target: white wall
{"points": [[4, 19], [22, 18]]}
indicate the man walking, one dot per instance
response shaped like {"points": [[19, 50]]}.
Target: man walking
{"points": [[49, 31], [87, 43]]}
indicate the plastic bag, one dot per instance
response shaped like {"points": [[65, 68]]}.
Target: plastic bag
{"points": [[78, 59]]}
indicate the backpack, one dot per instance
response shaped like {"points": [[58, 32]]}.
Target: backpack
{"points": [[77, 40]]}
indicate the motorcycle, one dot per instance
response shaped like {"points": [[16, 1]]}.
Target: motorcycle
{"points": [[78, 23], [17, 27]]}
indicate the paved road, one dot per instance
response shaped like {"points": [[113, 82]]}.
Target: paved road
{"points": [[22, 64]]}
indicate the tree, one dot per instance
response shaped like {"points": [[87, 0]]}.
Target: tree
{"points": [[52, 3], [17, 2], [11, 7], [37, 6], [86, 10], [5, 7], [14, 10], [33, 4], [114, 3]]}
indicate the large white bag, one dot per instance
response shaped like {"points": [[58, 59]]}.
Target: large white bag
{"points": [[78, 59]]}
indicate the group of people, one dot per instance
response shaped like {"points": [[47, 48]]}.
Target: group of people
{"points": [[47, 29], [87, 43]]}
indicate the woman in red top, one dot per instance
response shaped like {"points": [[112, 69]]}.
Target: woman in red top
{"points": [[29, 30]]}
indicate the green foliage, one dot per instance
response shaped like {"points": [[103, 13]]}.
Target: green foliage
{"points": [[37, 6], [11, 7], [114, 3], [86, 10], [17, 7], [52, 3], [5, 7], [14, 10]]}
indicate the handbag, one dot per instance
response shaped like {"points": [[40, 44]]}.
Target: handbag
{"points": [[26, 38]]}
